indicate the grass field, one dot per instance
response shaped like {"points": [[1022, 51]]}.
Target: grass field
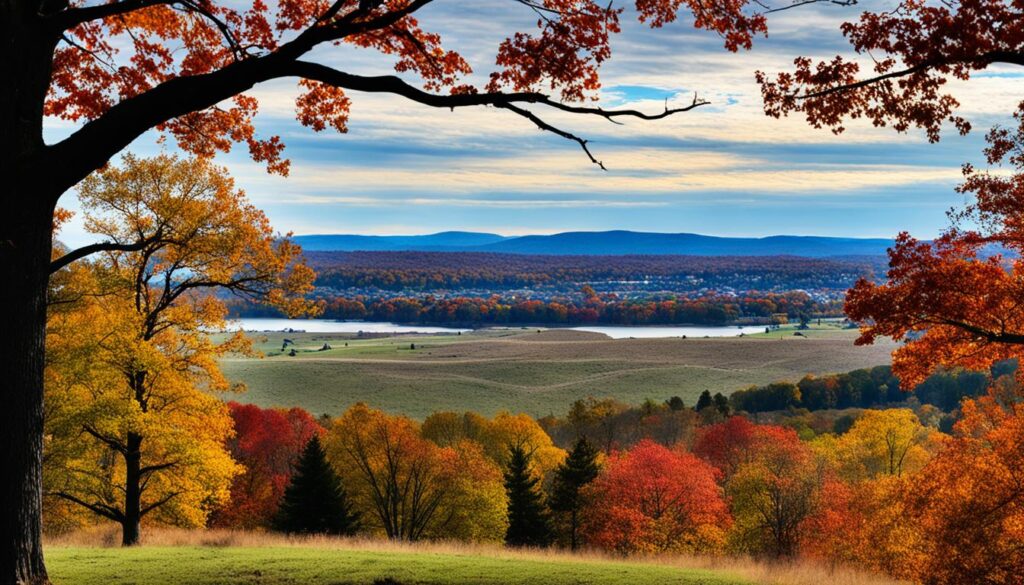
{"points": [[535, 371], [228, 558]]}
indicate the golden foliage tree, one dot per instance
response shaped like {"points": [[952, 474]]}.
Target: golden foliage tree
{"points": [[134, 429], [411, 487], [888, 442], [969, 500]]}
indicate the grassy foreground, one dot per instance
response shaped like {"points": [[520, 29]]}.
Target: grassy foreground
{"points": [[218, 557], [537, 372], [281, 565]]}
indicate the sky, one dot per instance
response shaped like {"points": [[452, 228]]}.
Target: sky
{"points": [[721, 169]]}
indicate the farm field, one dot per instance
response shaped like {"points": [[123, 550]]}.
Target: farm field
{"points": [[535, 371]]}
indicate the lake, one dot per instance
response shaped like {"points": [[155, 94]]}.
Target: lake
{"points": [[613, 331], [329, 326], [653, 331]]}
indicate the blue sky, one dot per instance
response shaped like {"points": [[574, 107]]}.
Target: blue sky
{"points": [[723, 169]]}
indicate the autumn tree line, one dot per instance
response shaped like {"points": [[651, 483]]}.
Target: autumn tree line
{"points": [[888, 494], [435, 271], [586, 308], [876, 387]]}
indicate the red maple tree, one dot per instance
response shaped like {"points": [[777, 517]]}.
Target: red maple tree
{"points": [[953, 300], [267, 443], [655, 500]]}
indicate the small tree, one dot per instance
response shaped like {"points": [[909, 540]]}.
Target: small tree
{"points": [[722, 404], [315, 502], [675, 403], [705, 401], [528, 520], [580, 468]]}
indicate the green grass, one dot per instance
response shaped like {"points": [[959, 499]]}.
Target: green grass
{"points": [[523, 371], [281, 565]]}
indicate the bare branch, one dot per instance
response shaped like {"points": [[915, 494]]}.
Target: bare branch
{"points": [[549, 128], [799, 3]]}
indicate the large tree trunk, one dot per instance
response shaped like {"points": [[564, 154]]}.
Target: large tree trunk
{"points": [[24, 271], [132, 491], [26, 211]]}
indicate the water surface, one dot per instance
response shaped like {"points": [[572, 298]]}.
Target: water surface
{"points": [[613, 331]]}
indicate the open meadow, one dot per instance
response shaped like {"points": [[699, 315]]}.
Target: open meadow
{"points": [[535, 371], [238, 558]]}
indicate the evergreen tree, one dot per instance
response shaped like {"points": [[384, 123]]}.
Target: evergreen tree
{"points": [[579, 469], [675, 403], [528, 521], [722, 404], [315, 501], [704, 401]]}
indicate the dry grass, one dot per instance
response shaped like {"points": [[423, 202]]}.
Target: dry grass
{"points": [[797, 572]]}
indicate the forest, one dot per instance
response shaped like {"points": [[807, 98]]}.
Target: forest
{"points": [[886, 492], [870, 388], [702, 309], [457, 271]]}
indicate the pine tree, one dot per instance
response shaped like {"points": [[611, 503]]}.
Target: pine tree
{"points": [[675, 403], [704, 401], [528, 521], [315, 501], [579, 469], [722, 404]]}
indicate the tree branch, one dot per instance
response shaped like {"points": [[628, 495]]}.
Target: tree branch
{"points": [[158, 503], [395, 85], [799, 3], [549, 128], [73, 17], [112, 443], [989, 58], [84, 251], [157, 467], [96, 507]]}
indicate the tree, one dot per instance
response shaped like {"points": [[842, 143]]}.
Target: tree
{"points": [[136, 379], [392, 471], [528, 520], [884, 442], [577, 471], [652, 499], [449, 428], [722, 404], [734, 442], [267, 443], [599, 420], [865, 524], [969, 501], [772, 493], [475, 508], [315, 502], [952, 302], [704, 401], [520, 431]]}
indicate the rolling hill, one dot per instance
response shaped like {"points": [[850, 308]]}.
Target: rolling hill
{"points": [[604, 243]]}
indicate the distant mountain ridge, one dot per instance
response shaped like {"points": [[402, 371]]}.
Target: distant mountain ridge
{"points": [[617, 242]]}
